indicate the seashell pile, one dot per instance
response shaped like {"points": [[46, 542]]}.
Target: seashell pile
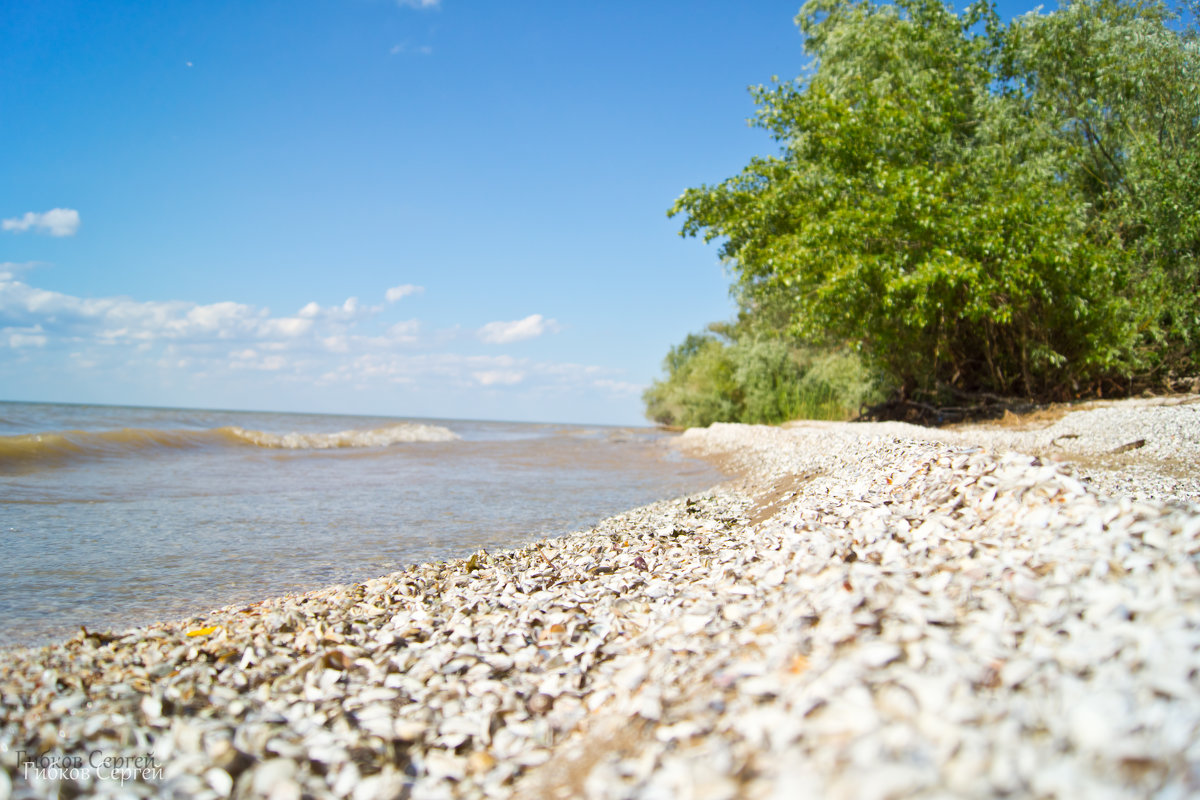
{"points": [[863, 616]]}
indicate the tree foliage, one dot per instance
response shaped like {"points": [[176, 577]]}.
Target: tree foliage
{"points": [[973, 206]]}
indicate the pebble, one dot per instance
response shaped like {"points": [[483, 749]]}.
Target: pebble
{"points": [[868, 611]]}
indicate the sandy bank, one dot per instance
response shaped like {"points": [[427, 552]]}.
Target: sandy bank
{"points": [[869, 613]]}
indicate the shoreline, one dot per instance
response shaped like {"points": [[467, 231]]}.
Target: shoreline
{"points": [[867, 612]]}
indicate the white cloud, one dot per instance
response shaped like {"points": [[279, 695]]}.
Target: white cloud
{"points": [[519, 330], [56, 222], [502, 377], [405, 332], [341, 346], [286, 327], [123, 319], [467, 373], [23, 337], [248, 336], [219, 318], [404, 290], [348, 311], [419, 3]]}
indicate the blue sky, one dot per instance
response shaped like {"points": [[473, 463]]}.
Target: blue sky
{"points": [[431, 208]]}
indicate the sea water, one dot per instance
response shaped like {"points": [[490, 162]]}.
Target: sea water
{"points": [[112, 517]]}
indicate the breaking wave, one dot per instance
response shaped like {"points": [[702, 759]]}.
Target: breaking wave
{"points": [[29, 451], [376, 437]]}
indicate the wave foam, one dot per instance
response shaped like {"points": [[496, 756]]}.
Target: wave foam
{"points": [[376, 437]]}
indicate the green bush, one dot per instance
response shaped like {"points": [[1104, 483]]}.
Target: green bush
{"points": [[836, 385], [758, 380], [766, 376], [700, 387]]}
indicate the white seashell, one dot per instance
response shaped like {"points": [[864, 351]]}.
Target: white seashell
{"points": [[532, 757], [648, 704], [759, 686], [443, 764], [274, 778], [387, 783], [878, 654], [408, 730], [219, 780], [377, 720], [631, 676], [152, 707]]}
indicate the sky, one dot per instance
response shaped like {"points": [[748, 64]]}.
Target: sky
{"points": [[413, 208]]}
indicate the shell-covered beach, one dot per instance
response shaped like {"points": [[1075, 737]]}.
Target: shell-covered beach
{"points": [[867, 611]]}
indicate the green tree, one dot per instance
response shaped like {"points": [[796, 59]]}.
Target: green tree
{"points": [[971, 208], [1124, 88]]}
